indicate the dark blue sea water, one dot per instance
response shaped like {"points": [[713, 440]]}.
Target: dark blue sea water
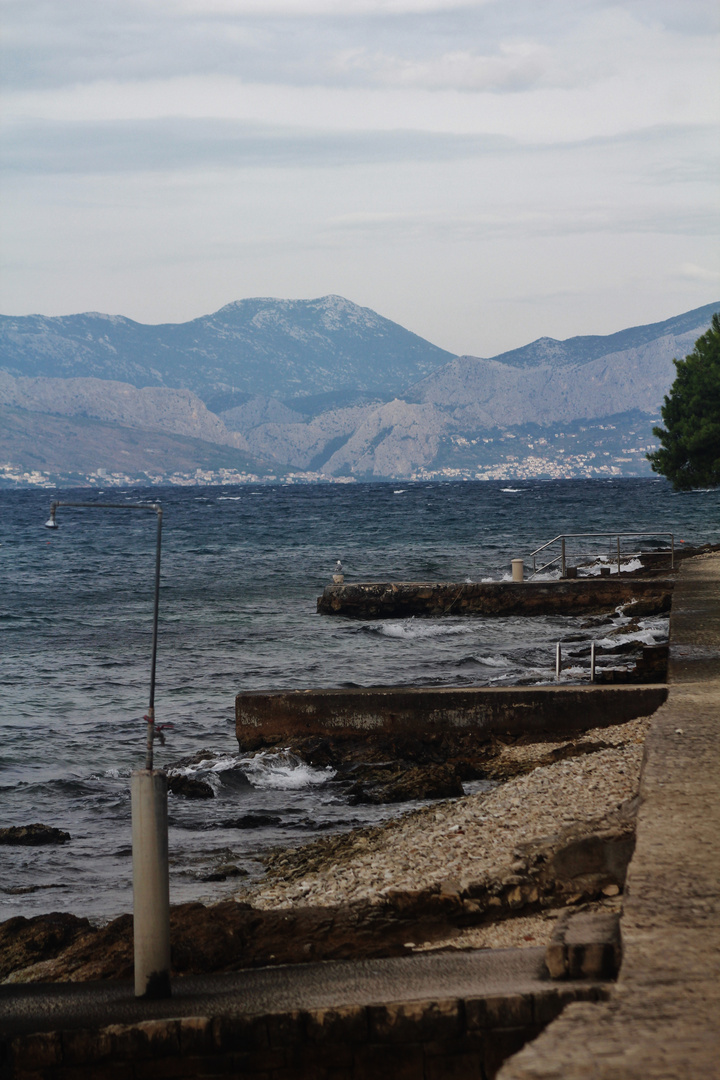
{"points": [[241, 570]]}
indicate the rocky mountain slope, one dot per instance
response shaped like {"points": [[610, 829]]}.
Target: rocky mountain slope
{"points": [[276, 348], [328, 387], [473, 402], [179, 412]]}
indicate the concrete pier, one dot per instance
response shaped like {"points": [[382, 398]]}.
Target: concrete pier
{"points": [[585, 596], [435, 714]]}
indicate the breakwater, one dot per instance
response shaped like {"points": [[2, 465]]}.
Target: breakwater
{"points": [[400, 718], [587, 596]]}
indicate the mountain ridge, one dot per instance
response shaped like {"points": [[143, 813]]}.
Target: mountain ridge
{"points": [[585, 406], [271, 347]]}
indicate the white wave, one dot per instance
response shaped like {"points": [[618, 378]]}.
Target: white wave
{"points": [[400, 491], [412, 629], [511, 489], [229, 498], [626, 567], [642, 637], [493, 661], [283, 770]]}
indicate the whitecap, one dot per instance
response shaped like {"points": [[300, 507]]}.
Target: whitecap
{"points": [[400, 491], [282, 770], [412, 629], [603, 560], [511, 489]]}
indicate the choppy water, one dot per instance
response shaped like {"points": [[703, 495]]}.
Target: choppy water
{"points": [[241, 570]]}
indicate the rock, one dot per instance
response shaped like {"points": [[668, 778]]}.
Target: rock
{"points": [[402, 785], [43, 937], [225, 871], [189, 788], [252, 821], [33, 835]]}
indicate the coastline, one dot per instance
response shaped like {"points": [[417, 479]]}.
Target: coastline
{"points": [[485, 870]]}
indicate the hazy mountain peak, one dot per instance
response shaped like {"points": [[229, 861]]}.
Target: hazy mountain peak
{"points": [[582, 350]]}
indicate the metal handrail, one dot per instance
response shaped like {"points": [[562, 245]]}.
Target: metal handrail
{"points": [[563, 537]]}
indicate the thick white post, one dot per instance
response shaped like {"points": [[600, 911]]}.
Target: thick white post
{"points": [[151, 887], [518, 569]]}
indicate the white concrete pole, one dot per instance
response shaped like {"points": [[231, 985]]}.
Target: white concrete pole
{"points": [[518, 568], [151, 887]]}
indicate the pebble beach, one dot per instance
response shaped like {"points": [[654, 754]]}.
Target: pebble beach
{"points": [[480, 837]]}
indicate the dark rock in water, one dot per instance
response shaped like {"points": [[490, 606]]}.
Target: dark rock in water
{"points": [[191, 789], [252, 821], [225, 871], [406, 784], [33, 835], [28, 941]]}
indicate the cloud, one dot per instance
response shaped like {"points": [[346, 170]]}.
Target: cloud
{"points": [[517, 66], [346, 9], [174, 144], [691, 272]]}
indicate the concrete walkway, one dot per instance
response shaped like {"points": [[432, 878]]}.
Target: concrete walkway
{"points": [[663, 1017], [438, 976]]}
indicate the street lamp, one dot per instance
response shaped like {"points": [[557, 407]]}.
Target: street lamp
{"points": [[148, 787]]}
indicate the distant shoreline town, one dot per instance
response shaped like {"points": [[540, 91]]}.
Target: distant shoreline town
{"points": [[532, 468]]}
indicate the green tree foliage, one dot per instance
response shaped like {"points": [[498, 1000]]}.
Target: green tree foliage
{"points": [[690, 452]]}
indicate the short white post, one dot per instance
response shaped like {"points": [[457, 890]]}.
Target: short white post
{"points": [[558, 660], [592, 661], [151, 887], [518, 568]]}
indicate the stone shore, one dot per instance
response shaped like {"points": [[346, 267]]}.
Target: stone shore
{"points": [[486, 838]]}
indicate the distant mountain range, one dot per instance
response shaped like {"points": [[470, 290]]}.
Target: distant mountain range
{"points": [[277, 348], [270, 387]]}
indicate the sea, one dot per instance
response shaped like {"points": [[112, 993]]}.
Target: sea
{"points": [[241, 571]]}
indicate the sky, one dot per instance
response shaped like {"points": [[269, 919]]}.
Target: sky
{"points": [[483, 172]]}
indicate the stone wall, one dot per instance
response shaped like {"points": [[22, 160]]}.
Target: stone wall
{"points": [[425, 1040]]}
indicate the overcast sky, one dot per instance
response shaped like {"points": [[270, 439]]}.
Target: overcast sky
{"points": [[483, 172]]}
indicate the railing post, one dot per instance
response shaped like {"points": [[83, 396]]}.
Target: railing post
{"points": [[672, 551], [618, 552], [592, 661], [562, 550], [558, 660]]}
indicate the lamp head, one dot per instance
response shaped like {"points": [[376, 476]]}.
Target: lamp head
{"points": [[51, 523]]}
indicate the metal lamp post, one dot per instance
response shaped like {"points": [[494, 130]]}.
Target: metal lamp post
{"points": [[151, 888]]}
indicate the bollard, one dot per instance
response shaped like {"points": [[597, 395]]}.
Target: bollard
{"points": [[151, 887], [518, 568]]}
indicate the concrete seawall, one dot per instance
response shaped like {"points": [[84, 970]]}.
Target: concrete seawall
{"points": [[662, 1019], [588, 596], [435, 714]]}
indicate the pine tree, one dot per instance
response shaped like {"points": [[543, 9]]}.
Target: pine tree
{"points": [[689, 455]]}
